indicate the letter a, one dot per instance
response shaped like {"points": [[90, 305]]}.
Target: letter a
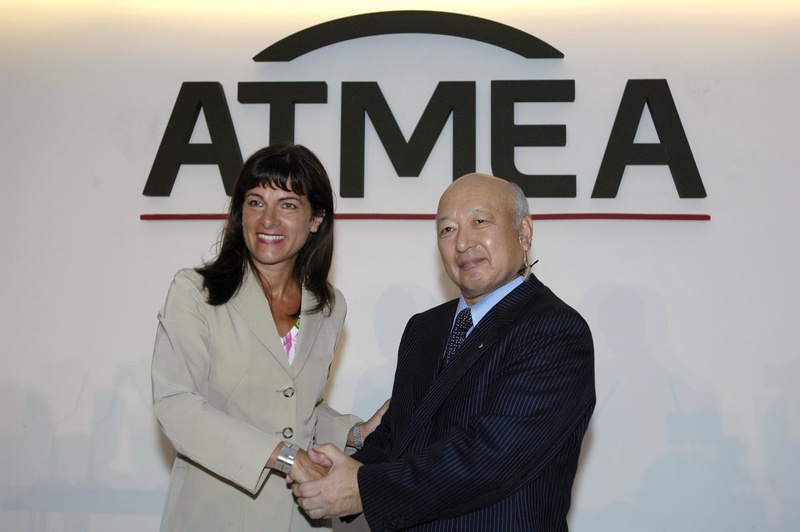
{"points": [[175, 148], [673, 150]]}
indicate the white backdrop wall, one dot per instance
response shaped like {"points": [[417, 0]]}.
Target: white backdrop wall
{"points": [[697, 425]]}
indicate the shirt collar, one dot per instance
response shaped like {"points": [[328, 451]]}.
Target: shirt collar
{"points": [[482, 307]]}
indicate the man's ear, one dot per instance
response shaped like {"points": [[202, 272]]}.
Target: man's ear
{"points": [[525, 232]]}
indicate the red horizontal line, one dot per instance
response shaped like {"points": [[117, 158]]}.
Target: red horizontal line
{"points": [[158, 217], [382, 216], [393, 216]]}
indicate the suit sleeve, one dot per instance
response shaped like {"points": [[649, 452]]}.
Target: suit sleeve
{"points": [[333, 426], [539, 395], [223, 444], [378, 444]]}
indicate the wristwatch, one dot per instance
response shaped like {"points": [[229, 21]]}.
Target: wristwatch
{"points": [[357, 443], [285, 459]]}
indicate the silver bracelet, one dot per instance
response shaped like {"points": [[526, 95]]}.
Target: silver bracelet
{"points": [[357, 443], [285, 459]]}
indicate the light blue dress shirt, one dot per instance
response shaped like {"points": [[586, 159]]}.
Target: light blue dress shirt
{"points": [[482, 307]]}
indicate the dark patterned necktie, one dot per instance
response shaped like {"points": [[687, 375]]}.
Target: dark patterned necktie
{"points": [[457, 335]]}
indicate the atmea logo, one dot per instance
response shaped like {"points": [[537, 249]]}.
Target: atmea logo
{"points": [[456, 99]]}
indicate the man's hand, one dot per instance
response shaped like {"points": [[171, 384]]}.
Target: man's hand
{"points": [[335, 495], [304, 470]]}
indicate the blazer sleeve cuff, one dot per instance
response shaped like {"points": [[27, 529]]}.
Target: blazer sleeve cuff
{"points": [[333, 427]]}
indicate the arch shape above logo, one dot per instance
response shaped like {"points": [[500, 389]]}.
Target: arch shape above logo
{"points": [[391, 22]]}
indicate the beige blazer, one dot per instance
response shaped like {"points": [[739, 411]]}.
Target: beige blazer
{"points": [[225, 396]]}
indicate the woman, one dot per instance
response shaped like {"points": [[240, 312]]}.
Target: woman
{"points": [[243, 349]]}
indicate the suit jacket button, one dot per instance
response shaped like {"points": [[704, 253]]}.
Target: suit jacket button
{"points": [[288, 392], [288, 432]]}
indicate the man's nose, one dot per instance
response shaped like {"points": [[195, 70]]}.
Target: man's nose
{"points": [[464, 240]]}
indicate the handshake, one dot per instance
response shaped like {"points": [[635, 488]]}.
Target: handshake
{"points": [[324, 480]]}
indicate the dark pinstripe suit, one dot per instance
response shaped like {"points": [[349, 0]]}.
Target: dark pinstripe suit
{"points": [[491, 443]]}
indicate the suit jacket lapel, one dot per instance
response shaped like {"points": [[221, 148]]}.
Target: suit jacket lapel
{"points": [[310, 325], [480, 341], [253, 307], [429, 364]]}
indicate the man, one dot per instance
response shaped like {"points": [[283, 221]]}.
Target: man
{"points": [[485, 436]]}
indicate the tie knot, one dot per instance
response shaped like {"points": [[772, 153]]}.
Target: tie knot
{"points": [[463, 321]]}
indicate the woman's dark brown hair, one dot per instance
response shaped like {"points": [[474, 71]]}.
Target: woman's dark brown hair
{"points": [[289, 167]]}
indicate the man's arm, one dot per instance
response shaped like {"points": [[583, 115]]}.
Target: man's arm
{"points": [[379, 441]]}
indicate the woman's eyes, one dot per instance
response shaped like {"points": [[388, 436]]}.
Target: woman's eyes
{"points": [[286, 205]]}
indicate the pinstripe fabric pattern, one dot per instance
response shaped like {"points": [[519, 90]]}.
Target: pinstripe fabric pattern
{"points": [[491, 443]]}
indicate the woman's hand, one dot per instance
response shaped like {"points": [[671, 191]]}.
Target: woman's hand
{"points": [[367, 427], [372, 423], [305, 470]]}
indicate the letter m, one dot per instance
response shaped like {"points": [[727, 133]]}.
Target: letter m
{"points": [[360, 99]]}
